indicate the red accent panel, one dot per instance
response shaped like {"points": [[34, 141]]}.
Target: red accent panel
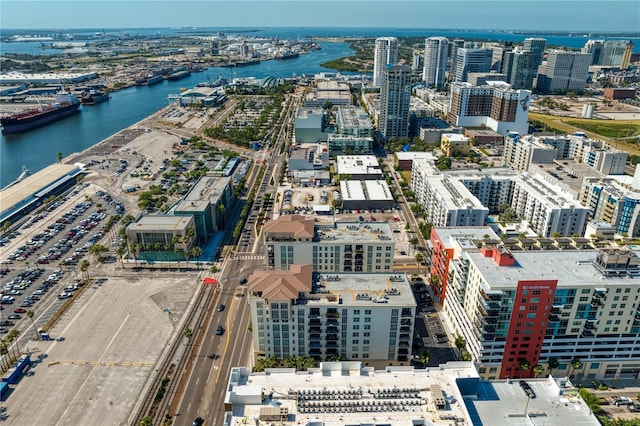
{"points": [[439, 266], [525, 335]]}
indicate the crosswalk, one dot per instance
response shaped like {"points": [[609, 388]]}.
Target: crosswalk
{"points": [[248, 257]]}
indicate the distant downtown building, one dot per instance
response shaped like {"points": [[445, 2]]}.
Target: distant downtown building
{"points": [[495, 105], [520, 67], [471, 60], [436, 51], [386, 52], [563, 72], [537, 46], [614, 53], [395, 98]]}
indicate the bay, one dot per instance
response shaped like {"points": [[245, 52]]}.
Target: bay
{"points": [[38, 148]]}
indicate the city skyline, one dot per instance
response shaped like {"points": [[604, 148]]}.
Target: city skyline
{"points": [[518, 15]]}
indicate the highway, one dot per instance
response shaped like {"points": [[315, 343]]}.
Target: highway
{"points": [[213, 356]]}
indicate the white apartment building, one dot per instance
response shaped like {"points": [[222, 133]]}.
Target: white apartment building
{"points": [[446, 202], [522, 151], [354, 316], [340, 247], [386, 52], [608, 201], [436, 51], [466, 198], [353, 121]]}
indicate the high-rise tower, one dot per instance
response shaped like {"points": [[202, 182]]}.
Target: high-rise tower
{"points": [[436, 50], [386, 52], [395, 97]]}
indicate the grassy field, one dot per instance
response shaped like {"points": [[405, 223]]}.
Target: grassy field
{"points": [[606, 130]]}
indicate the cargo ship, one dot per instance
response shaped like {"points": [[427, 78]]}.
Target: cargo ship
{"points": [[179, 74], [287, 55], [63, 106], [154, 79], [93, 97]]}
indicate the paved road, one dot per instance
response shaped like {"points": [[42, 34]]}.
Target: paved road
{"points": [[216, 355]]}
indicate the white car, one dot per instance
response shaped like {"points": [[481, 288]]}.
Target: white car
{"points": [[64, 295]]}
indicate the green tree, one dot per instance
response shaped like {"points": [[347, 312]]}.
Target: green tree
{"points": [[59, 156], [97, 250], [30, 315], [188, 333], [196, 252], [84, 267], [5, 226], [538, 370], [553, 363], [524, 364], [466, 355], [213, 269], [575, 364], [460, 342], [425, 357], [146, 421]]}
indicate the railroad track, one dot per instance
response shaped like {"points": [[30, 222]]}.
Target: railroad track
{"points": [[170, 368]]}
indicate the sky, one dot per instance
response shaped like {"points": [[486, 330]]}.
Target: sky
{"points": [[544, 15]]}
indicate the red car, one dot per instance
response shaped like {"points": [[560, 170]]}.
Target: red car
{"points": [[20, 310]]}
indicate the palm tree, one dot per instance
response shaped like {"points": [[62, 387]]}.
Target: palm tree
{"points": [[120, 252], [196, 252], [188, 333], [30, 314], [97, 250], [524, 364], [575, 364], [538, 370], [5, 226], [213, 269], [460, 343], [3, 351], [84, 267], [59, 156], [425, 357], [553, 363]]}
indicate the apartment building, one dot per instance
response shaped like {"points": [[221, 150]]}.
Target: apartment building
{"points": [[495, 105], [608, 201], [518, 309], [395, 99], [351, 316], [563, 72], [522, 151], [466, 198], [339, 247], [385, 53]]}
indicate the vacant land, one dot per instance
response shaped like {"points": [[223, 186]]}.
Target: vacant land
{"points": [[596, 129]]}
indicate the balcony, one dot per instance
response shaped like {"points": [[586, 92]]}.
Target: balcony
{"points": [[332, 322], [405, 321], [402, 351], [405, 329], [331, 345], [332, 337], [554, 318], [314, 321], [332, 329], [314, 336], [314, 329]]}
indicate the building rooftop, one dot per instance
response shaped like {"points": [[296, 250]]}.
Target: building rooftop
{"points": [[346, 393], [357, 289], [365, 190], [161, 223], [571, 269], [30, 186], [504, 403], [206, 191], [355, 232], [352, 117], [293, 226], [357, 165]]}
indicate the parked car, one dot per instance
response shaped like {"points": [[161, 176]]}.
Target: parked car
{"points": [[219, 330], [64, 296], [20, 310]]}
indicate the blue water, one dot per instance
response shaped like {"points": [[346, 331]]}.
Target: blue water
{"points": [[38, 148], [574, 40]]}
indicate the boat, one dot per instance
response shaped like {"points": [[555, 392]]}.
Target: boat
{"points": [[25, 172], [178, 75], [153, 79], [241, 63], [287, 55], [64, 105], [93, 97]]}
